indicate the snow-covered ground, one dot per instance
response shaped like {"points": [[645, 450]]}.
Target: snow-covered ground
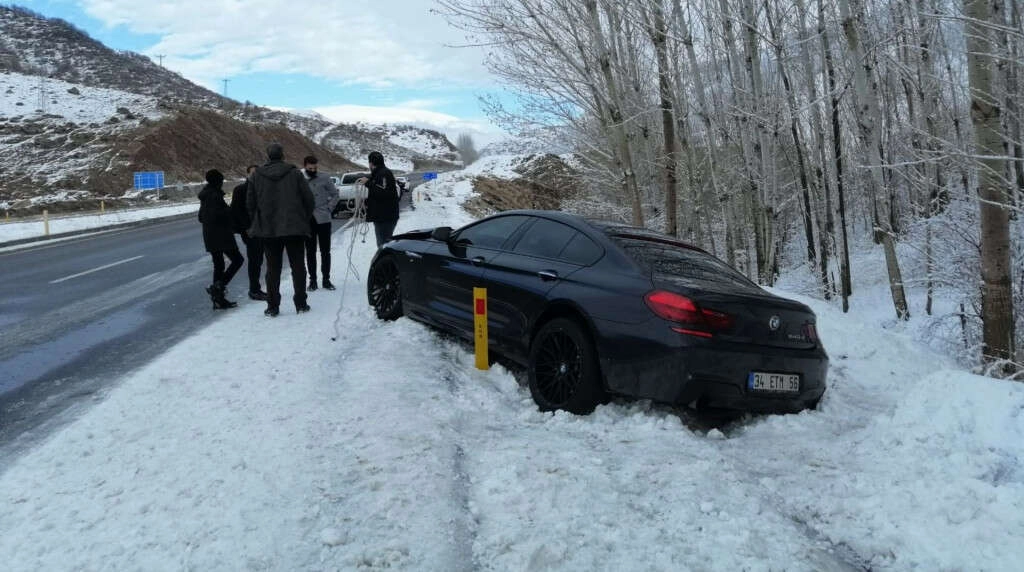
{"points": [[67, 223], [260, 444], [20, 96]]}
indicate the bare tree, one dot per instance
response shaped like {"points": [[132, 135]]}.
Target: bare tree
{"points": [[467, 149], [993, 194]]}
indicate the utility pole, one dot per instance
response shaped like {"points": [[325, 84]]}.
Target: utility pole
{"points": [[161, 58], [42, 95]]}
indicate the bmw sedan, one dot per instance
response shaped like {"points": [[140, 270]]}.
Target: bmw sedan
{"points": [[593, 309]]}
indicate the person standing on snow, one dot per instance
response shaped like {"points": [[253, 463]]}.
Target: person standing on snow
{"points": [[325, 195], [219, 238], [280, 205], [253, 245], [381, 198]]}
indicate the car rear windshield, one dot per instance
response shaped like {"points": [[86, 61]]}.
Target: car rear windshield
{"points": [[663, 258]]}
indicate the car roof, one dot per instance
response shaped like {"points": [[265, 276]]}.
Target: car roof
{"points": [[607, 228]]}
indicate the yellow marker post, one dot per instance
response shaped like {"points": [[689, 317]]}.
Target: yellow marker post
{"points": [[46, 222], [103, 207], [480, 327]]}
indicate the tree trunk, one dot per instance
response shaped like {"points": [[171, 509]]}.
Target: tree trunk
{"points": [[617, 122], [798, 143], [869, 123], [996, 288], [668, 122], [845, 278]]}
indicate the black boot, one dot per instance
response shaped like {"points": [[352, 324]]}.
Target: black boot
{"points": [[312, 284], [220, 302], [258, 295], [327, 284]]}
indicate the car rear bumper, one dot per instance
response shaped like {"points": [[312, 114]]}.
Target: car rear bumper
{"points": [[656, 363]]}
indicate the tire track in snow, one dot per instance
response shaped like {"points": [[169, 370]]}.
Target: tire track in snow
{"points": [[464, 533]]}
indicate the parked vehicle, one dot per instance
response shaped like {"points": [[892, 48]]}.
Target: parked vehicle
{"points": [[350, 194], [593, 309], [403, 184]]}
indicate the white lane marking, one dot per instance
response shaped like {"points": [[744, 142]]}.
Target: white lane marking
{"points": [[97, 269]]}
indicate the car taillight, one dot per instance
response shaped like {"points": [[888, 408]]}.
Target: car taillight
{"points": [[693, 319], [811, 332]]}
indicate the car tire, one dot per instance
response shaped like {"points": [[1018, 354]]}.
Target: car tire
{"points": [[563, 368], [384, 289]]}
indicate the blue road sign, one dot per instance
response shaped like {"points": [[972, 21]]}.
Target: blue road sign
{"points": [[429, 176], [149, 180]]}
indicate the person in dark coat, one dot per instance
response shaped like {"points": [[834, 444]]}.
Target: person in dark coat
{"points": [[219, 238], [253, 245], [382, 198], [280, 205]]}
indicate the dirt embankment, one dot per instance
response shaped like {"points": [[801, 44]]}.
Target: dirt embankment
{"points": [[193, 141], [546, 181]]}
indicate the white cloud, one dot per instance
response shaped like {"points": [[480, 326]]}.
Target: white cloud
{"points": [[482, 131], [378, 43]]}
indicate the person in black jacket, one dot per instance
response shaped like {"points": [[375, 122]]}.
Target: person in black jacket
{"points": [[218, 237], [280, 205], [253, 245], [382, 198]]}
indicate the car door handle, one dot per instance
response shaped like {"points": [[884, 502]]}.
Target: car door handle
{"points": [[478, 260], [413, 255], [548, 275]]}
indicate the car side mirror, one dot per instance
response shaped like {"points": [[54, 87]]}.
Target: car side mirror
{"points": [[442, 233]]}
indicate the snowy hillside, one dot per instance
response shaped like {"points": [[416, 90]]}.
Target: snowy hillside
{"points": [[32, 44], [405, 147], [52, 146], [386, 449], [20, 97]]}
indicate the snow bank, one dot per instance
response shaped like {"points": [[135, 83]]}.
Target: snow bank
{"points": [[386, 449], [17, 230]]}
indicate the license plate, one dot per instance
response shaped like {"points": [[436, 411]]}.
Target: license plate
{"points": [[775, 382]]}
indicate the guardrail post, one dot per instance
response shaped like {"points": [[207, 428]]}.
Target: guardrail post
{"points": [[480, 327]]}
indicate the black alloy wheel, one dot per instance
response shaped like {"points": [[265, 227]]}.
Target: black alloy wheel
{"points": [[563, 368], [385, 290]]}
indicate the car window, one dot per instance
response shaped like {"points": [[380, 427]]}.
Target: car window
{"points": [[546, 238], [581, 250], [491, 233], [679, 261], [353, 177]]}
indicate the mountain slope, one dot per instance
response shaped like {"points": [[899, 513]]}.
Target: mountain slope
{"points": [[76, 118], [54, 48]]}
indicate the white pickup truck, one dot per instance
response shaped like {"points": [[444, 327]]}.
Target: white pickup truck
{"points": [[349, 193]]}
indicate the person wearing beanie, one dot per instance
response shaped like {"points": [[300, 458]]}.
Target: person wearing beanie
{"points": [[280, 207], [382, 198], [326, 196], [219, 238]]}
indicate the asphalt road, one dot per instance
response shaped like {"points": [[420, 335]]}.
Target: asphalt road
{"points": [[78, 315]]}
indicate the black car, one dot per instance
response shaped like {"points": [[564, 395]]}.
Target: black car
{"points": [[594, 308]]}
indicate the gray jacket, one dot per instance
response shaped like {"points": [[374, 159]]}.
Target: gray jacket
{"points": [[279, 201], [325, 194]]}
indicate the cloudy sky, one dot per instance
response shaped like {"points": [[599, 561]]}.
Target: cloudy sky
{"points": [[351, 60]]}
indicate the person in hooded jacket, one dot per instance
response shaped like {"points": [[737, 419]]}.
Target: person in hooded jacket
{"points": [[382, 198], [325, 194], [280, 206], [253, 245], [218, 237]]}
